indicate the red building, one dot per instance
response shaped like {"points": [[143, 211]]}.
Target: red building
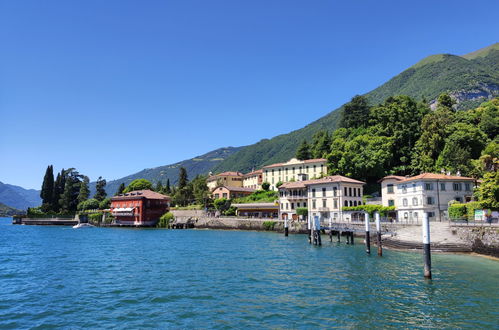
{"points": [[139, 208]]}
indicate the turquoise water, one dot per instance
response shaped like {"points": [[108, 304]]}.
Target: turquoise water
{"points": [[139, 278]]}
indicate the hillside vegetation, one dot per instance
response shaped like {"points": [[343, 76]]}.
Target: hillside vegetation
{"points": [[469, 81]]}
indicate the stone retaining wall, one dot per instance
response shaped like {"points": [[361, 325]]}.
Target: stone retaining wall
{"points": [[485, 239]]}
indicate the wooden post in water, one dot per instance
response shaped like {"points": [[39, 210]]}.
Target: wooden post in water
{"points": [[309, 226], [339, 236], [318, 230], [368, 238], [426, 246], [378, 233], [351, 237], [286, 227]]}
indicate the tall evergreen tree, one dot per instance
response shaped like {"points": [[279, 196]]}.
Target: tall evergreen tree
{"points": [[159, 187], [84, 190], [182, 178], [167, 187], [100, 191], [321, 144], [355, 113], [59, 185], [47, 192], [69, 198], [121, 188], [303, 152]]}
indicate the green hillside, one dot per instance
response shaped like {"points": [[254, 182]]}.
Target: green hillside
{"points": [[7, 211], [194, 166], [470, 81]]}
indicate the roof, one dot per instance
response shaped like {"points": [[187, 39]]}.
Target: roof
{"points": [[434, 176], [297, 162], [136, 194], [240, 189], [327, 179], [253, 173], [213, 177], [393, 177]]}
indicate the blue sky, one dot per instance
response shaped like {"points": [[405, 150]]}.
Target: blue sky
{"points": [[112, 87]]}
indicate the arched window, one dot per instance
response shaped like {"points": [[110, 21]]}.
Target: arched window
{"points": [[354, 203], [346, 203], [414, 201], [406, 215], [351, 203]]}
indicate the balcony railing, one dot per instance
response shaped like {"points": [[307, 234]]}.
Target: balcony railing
{"points": [[323, 209]]}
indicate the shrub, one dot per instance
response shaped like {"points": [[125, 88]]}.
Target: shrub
{"points": [[370, 208], [95, 218], [269, 225], [89, 204], [230, 211], [470, 209], [302, 211], [222, 204], [266, 186], [457, 211], [165, 220], [105, 204]]}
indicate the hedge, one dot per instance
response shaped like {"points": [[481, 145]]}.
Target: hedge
{"points": [[370, 208]]}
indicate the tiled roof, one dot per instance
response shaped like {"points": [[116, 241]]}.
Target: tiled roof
{"points": [[327, 179], [256, 206], [216, 176], [316, 160], [392, 177], [253, 173], [149, 194], [434, 176], [236, 189]]}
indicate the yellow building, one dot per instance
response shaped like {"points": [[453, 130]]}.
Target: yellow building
{"points": [[253, 180], [228, 179], [294, 170]]}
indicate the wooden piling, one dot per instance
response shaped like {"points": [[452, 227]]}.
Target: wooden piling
{"points": [[351, 237], [368, 238], [286, 227], [318, 230], [426, 246], [378, 233], [338, 233]]}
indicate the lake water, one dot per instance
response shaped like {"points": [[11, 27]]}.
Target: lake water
{"points": [[139, 278]]}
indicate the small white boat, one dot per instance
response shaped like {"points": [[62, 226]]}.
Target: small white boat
{"points": [[83, 225]]}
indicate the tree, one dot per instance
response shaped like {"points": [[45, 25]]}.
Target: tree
{"points": [[355, 113], [121, 189], [303, 152], [89, 204], [159, 187], [84, 190], [488, 191], [182, 178], [138, 184], [200, 190], [489, 118], [222, 204], [167, 187], [47, 192], [266, 186], [105, 204], [59, 186], [69, 198], [444, 100], [321, 144], [100, 189]]}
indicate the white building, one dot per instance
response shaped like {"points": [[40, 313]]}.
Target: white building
{"points": [[253, 180], [427, 192], [323, 197], [294, 170]]}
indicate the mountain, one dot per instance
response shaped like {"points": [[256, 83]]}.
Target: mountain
{"points": [[18, 197], [7, 211], [198, 165], [470, 79]]}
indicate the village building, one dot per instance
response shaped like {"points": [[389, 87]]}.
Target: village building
{"points": [[229, 192], [294, 170], [427, 192], [258, 210], [139, 208], [253, 180], [229, 179], [323, 197]]}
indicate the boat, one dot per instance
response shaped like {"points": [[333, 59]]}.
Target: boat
{"points": [[83, 225]]}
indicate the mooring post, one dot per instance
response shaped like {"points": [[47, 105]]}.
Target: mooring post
{"points": [[378, 233], [339, 236], [368, 239], [426, 246], [351, 237], [318, 230], [286, 227], [309, 228]]}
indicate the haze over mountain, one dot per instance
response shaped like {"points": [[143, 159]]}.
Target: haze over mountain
{"points": [[18, 197]]}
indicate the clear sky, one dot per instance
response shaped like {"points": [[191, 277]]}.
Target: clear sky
{"points": [[112, 87]]}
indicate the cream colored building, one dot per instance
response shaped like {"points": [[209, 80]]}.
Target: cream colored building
{"points": [[323, 197], [228, 179], [294, 170], [427, 192], [253, 180]]}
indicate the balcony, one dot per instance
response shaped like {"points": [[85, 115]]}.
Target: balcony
{"points": [[294, 197], [323, 209]]}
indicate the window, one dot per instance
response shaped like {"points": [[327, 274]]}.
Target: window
{"points": [[354, 203], [313, 192], [282, 206], [430, 200], [335, 191], [389, 188], [415, 214], [346, 191], [404, 202], [359, 193], [297, 204], [354, 192], [431, 214], [335, 202], [428, 186], [406, 215], [457, 186], [415, 201], [272, 172], [414, 187], [292, 206], [224, 195], [350, 202], [442, 186], [458, 199], [323, 192], [313, 203], [304, 204], [287, 206], [350, 191], [467, 187], [322, 168], [391, 202], [346, 203], [324, 202], [293, 170], [315, 168], [404, 188]]}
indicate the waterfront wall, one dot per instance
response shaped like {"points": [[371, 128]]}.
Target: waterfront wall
{"points": [[484, 239]]}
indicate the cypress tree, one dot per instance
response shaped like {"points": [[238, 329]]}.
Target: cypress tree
{"points": [[182, 178], [168, 189], [47, 192], [69, 198], [159, 187], [84, 190], [59, 184], [100, 191], [121, 188]]}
